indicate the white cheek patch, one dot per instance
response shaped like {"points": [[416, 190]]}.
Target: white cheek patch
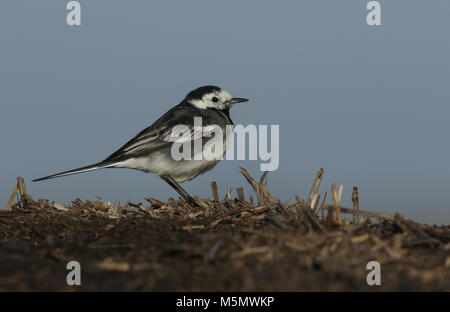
{"points": [[199, 103], [224, 96], [207, 101]]}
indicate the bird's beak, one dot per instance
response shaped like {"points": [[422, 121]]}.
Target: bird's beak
{"points": [[236, 100]]}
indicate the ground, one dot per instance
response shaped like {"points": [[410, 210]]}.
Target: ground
{"points": [[227, 245]]}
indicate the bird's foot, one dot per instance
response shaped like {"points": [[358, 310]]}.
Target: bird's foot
{"points": [[190, 201]]}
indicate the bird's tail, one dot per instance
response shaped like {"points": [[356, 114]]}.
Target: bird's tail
{"points": [[100, 165]]}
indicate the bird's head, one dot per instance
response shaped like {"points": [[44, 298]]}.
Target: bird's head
{"points": [[212, 97]]}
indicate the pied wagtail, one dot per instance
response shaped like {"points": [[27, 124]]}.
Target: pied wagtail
{"points": [[150, 150]]}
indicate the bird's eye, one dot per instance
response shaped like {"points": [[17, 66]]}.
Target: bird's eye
{"points": [[215, 99]]}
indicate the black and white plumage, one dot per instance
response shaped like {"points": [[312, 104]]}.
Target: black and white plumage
{"points": [[150, 150]]}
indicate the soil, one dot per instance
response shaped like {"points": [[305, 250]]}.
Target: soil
{"points": [[231, 245]]}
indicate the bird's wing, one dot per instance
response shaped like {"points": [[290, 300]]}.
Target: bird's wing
{"points": [[161, 135], [149, 140]]}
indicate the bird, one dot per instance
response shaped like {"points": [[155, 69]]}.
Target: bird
{"points": [[151, 149]]}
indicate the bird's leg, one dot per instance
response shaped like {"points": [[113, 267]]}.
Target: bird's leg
{"points": [[179, 189]]}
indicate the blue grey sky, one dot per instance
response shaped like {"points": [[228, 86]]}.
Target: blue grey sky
{"points": [[369, 104]]}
